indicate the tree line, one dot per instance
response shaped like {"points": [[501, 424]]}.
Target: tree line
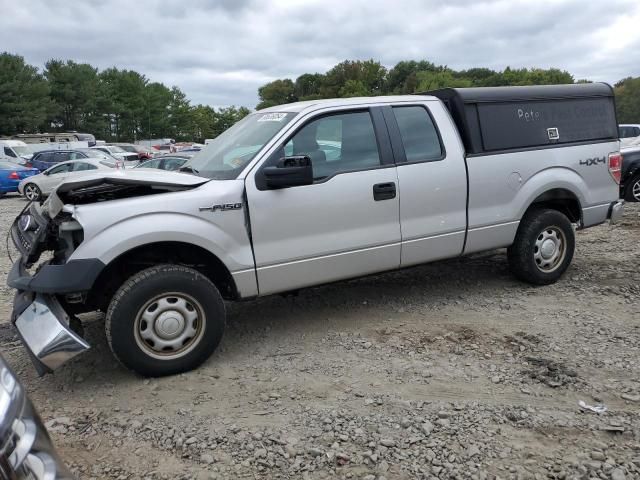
{"points": [[124, 105], [112, 104], [369, 78]]}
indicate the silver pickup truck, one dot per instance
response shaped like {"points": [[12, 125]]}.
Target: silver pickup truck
{"points": [[309, 193]]}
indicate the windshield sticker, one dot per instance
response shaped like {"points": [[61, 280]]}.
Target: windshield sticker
{"points": [[272, 117]]}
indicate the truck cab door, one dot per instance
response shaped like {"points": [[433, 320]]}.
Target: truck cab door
{"points": [[432, 179], [344, 224]]}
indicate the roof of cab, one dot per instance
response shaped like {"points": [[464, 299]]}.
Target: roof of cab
{"points": [[339, 102]]}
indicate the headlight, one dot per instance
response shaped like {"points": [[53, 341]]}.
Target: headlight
{"points": [[27, 223]]}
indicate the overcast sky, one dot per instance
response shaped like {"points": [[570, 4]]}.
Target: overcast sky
{"points": [[220, 52]]}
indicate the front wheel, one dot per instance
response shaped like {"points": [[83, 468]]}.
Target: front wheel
{"points": [[32, 192], [543, 247], [632, 191], [165, 320]]}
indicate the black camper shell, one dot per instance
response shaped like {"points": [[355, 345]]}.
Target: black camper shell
{"points": [[502, 119]]}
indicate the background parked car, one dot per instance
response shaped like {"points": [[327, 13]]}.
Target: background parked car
{"points": [[144, 153], [15, 151], [11, 175], [26, 451], [630, 176], [629, 134], [41, 185], [130, 159], [168, 162], [47, 158]]}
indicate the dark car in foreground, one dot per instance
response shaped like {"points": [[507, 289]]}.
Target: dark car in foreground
{"points": [[11, 174], [26, 451], [630, 177]]}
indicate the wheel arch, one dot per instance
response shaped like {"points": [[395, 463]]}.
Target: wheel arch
{"points": [[560, 199], [144, 256]]}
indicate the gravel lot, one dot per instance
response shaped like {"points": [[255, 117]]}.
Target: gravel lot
{"points": [[449, 370]]}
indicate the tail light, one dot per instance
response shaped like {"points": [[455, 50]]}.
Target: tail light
{"points": [[14, 176], [615, 166], [28, 165]]}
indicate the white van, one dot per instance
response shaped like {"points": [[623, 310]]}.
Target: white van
{"points": [[15, 151]]}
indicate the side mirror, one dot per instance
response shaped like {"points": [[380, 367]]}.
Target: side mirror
{"points": [[289, 172], [46, 172]]}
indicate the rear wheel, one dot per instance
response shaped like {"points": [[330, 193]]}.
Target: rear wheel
{"points": [[543, 247], [165, 320], [632, 191], [32, 192]]}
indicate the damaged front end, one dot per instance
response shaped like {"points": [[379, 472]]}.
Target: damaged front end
{"points": [[46, 276], [41, 321]]}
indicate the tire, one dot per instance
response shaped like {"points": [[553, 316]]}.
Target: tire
{"points": [[632, 190], [165, 320], [32, 192], [543, 247]]}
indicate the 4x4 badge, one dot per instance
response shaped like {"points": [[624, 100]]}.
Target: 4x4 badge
{"points": [[222, 207]]}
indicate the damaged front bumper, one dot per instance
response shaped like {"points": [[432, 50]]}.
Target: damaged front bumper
{"points": [[45, 330]]}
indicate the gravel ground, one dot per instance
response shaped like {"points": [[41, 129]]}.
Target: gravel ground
{"points": [[449, 370]]}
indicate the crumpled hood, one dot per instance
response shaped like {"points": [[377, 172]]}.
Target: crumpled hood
{"points": [[110, 185]]}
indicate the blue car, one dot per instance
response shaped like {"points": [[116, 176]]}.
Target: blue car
{"points": [[11, 174]]}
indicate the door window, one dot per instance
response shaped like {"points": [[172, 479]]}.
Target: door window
{"points": [[61, 157], [419, 135], [9, 152], [151, 164], [82, 166], [337, 143], [173, 163], [76, 155], [64, 168], [45, 157]]}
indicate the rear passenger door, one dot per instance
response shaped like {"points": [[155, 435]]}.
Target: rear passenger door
{"points": [[346, 223], [432, 182]]}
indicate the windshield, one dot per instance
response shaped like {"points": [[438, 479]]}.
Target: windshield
{"points": [[22, 150], [115, 149], [231, 151]]}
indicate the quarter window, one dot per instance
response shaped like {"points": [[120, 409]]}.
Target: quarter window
{"points": [[419, 134], [337, 143]]}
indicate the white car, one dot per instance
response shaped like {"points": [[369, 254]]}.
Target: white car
{"points": [[41, 185], [130, 159], [629, 135]]}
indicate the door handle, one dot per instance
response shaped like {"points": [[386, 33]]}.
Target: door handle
{"points": [[384, 191]]}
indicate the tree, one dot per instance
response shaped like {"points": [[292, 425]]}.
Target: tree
{"points": [[401, 79], [276, 93], [434, 80], [73, 88], [627, 93], [368, 73], [307, 86], [25, 104]]}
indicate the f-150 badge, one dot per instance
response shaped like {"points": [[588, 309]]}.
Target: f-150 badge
{"points": [[222, 207]]}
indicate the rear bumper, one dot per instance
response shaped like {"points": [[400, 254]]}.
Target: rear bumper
{"points": [[44, 329], [616, 210]]}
